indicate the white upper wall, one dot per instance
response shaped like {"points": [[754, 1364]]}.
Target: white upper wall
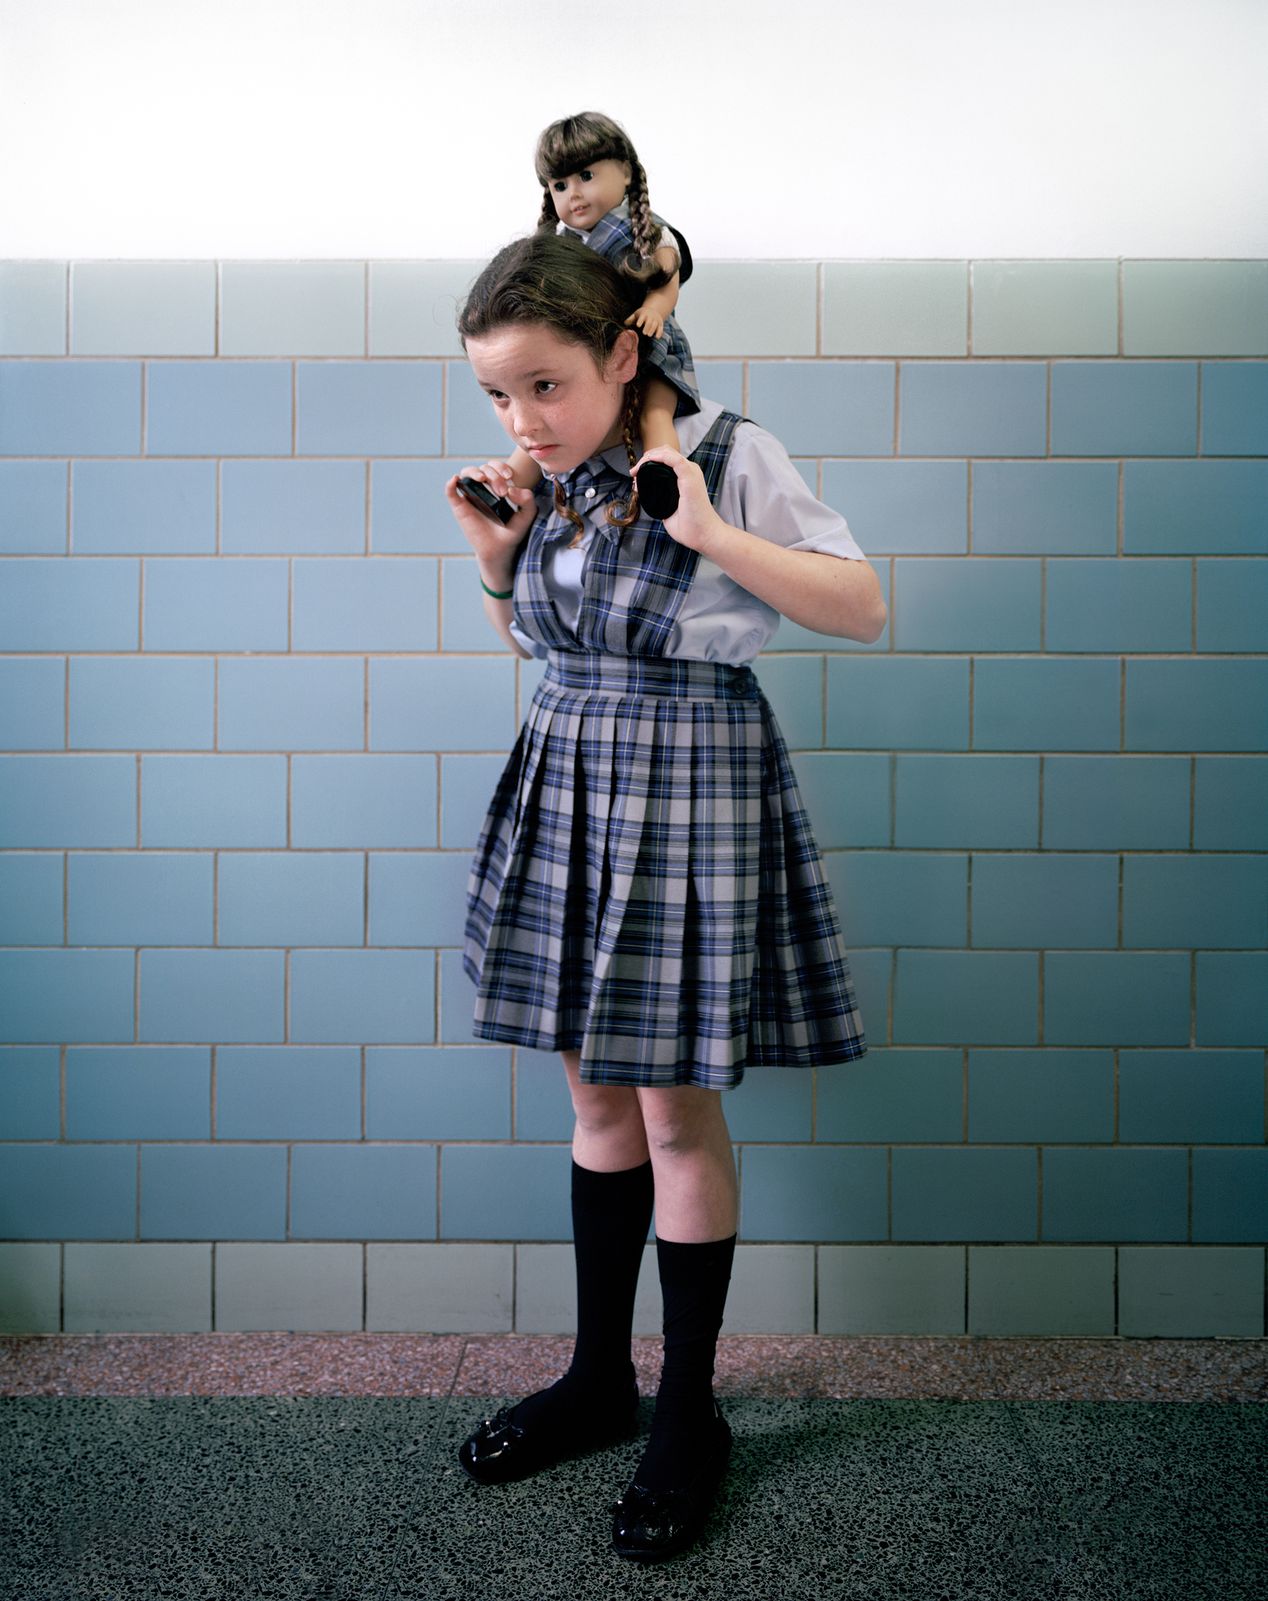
{"points": [[769, 128]]}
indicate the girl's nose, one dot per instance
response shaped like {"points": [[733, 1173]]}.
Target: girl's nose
{"points": [[524, 418]]}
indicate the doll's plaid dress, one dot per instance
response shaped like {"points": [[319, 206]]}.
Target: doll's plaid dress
{"points": [[668, 356], [646, 889]]}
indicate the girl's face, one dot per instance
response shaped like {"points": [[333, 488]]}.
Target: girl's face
{"points": [[552, 398], [583, 197]]}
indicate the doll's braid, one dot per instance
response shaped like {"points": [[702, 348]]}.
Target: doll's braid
{"points": [[642, 224], [548, 218]]}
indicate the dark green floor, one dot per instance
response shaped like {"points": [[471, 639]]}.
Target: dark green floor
{"points": [[274, 1499]]}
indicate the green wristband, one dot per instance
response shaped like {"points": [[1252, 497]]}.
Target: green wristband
{"points": [[497, 594]]}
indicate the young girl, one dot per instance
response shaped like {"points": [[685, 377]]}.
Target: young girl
{"points": [[646, 897], [595, 188]]}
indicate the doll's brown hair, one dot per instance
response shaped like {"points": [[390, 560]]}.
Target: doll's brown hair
{"points": [[573, 143], [558, 283]]}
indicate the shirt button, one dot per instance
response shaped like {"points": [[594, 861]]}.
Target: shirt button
{"points": [[590, 494]]}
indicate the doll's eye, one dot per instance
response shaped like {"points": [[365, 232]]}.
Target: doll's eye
{"points": [[559, 186], [585, 175]]}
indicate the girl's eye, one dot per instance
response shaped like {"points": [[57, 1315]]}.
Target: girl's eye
{"points": [[545, 385]]}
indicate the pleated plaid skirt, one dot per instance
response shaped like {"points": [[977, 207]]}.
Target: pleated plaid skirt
{"points": [[646, 889]]}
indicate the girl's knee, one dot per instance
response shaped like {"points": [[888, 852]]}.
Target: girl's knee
{"points": [[600, 1108], [683, 1118]]}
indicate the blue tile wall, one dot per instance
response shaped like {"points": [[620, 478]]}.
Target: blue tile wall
{"points": [[31, 898], [292, 508], [163, 508], [1036, 703], [1125, 606], [288, 1092], [1235, 408], [1195, 508], [139, 898], [983, 408], [216, 604], [251, 715], [355, 408], [439, 1094], [30, 1095], [377, 1192], [1124, 408], [32, 508], [148, 1092], [32, 703], [1045, 508], [64, 605], [232, 408]]}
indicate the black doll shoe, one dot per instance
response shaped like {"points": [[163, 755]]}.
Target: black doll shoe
{"points": [[649, 1525], [501, 1450], [658, 489]]}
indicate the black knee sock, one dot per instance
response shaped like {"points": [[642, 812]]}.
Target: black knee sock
{"points": [[694, 1281], [611, 1214]]}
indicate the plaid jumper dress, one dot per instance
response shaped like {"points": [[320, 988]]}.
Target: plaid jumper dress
{"points": [[646, 889], [669, 356]]}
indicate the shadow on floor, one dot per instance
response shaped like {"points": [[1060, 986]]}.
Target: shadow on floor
{"points": [[338, 1499]]}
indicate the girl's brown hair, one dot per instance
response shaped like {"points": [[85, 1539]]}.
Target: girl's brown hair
{"points": [[558, 283], [573, 143]]}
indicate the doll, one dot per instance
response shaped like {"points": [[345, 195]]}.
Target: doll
{"points": [[594, 188]]}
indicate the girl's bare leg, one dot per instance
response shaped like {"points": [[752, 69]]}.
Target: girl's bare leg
{"points": [[609, 1135], [690, 1148]]}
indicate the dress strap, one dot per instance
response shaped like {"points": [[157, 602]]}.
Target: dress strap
{"points": [[710, 455]]}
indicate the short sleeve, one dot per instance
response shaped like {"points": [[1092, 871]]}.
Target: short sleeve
{"points": [[764, 493]]}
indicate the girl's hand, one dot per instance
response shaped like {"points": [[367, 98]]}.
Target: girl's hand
{"points": [[695, 523], [646, 320], [494, 543]]}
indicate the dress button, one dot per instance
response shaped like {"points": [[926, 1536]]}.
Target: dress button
{"points": [[590, 493]]}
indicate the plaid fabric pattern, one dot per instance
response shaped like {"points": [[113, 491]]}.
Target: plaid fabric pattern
{"points": [[635, 578], [670, 355], [647, 889]]}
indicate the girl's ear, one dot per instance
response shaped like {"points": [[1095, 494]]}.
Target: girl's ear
{"points": [[623, 362]]}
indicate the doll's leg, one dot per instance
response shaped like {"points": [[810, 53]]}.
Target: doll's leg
{"points": [[656, 424], [524, 470]]}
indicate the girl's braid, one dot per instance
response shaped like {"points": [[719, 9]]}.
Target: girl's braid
{"points": [[617, 516], [567, 513], [629, 417]]}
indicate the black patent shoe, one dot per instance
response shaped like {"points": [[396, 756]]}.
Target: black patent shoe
{"points": [[649, 1525], [500, 1450]]}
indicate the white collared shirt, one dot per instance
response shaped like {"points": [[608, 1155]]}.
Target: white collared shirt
{"points": [[761, 492]]}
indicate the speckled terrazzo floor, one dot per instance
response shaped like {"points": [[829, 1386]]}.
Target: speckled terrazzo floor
{"points": [[323, 1467]]}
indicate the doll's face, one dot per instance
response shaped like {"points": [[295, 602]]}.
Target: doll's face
{"points": [[583, 197], [550, 396]]}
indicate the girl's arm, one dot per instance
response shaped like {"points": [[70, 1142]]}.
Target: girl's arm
{"points": [[495, 545], [827, 594], [659, 303]]}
